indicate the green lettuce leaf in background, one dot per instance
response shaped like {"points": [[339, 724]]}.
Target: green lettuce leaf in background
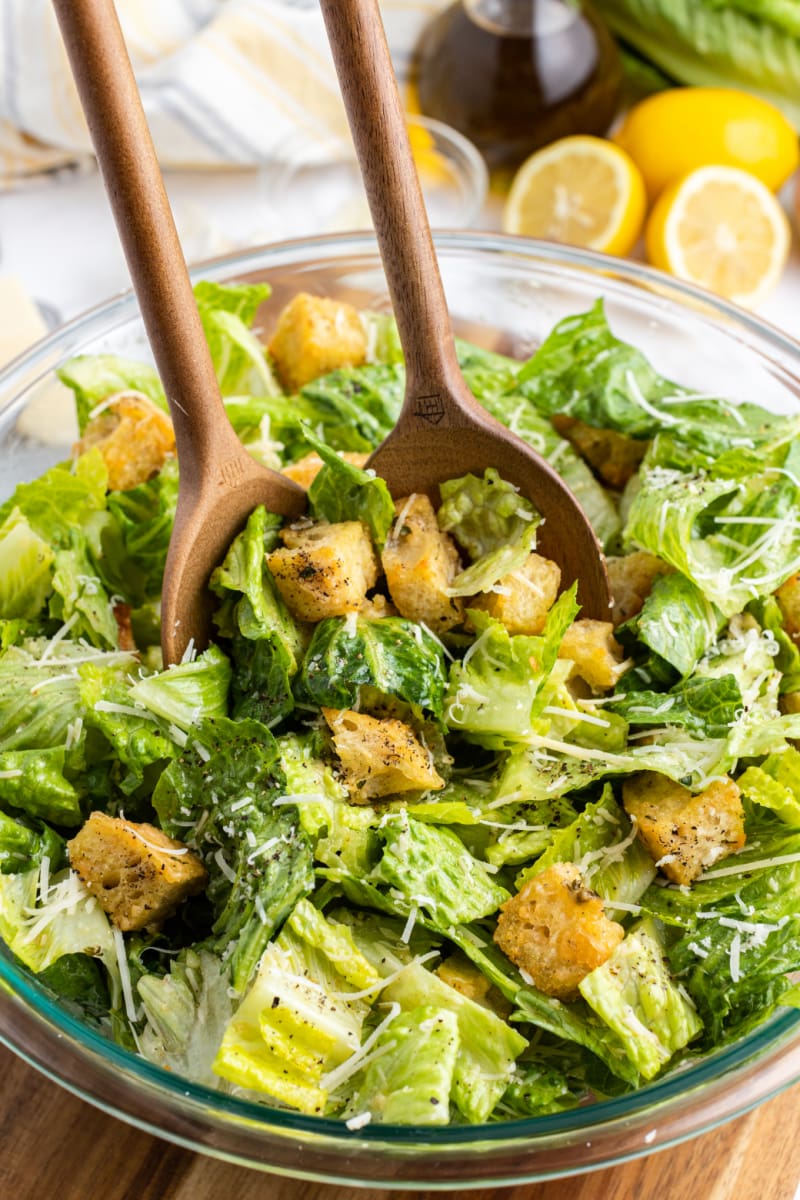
{"points": [[750, 44], [95, 377], [240, 361]]}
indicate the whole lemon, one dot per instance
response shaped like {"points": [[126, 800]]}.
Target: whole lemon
{"points": [[675, 132]]}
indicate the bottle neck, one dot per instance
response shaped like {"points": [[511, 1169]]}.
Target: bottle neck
{"points": [[523, 18]]}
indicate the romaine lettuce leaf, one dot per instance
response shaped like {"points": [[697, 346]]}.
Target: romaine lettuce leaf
{"points": [[79, 599], [751, 44], [775, 784], [218, 798], [488, 1045], [62, 499], [130, 544], [736, 540], [343, 492], [26, 569], [493, 523], [240, 361], [395, 656], [677, 622], [431, 869], [411, 1076], [95, 377], [296, 1025], [189, 693], [635, 995], [186, 1012], [706, 707], [493, 691]]}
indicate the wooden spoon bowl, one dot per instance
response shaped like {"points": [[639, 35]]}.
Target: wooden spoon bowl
{"points": [[442, 431]]}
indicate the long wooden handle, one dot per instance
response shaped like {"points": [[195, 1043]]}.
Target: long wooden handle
{"points": [[110, 98], [380, 135]]}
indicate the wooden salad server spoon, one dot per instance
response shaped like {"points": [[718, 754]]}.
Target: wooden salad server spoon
{"points": [[220, 483], [442, 431]]}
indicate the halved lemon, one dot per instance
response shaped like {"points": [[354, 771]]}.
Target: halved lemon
{"points": [[580, 190], [722, 228]]}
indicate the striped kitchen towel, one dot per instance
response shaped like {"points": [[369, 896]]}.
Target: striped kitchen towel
{"points": [[224, 82]]}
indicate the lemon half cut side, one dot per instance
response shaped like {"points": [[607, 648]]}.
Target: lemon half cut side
{"points": [[723, 229], [580, 190]]}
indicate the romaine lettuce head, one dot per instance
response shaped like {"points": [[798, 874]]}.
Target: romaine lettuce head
{"points": [[751, 44]]}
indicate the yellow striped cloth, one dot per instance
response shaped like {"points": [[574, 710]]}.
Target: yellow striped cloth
{"points": [[224, 82]]}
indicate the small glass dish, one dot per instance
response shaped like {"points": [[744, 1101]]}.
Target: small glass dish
{"points": [[315, 187]]}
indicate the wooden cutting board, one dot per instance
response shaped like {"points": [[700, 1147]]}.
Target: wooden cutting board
{"points": [[53, 1145]]}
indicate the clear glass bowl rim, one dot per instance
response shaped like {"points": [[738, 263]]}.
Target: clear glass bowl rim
{"points": [[682, 1105]]}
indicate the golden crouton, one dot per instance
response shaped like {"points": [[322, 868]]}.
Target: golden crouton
{"points": [[789, 702], [324, 570], [380, 757], [631, 580], [683, 833], [138, 874], [134, 437], [788, 597], [306, 469], [316, 335], [613, 456], [458, 972], [556, 931], [421, 562], [374, 608], [524, 597], [597, 655]]}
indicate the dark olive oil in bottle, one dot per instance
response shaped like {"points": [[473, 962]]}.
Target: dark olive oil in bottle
{"points": [[513, 75]]}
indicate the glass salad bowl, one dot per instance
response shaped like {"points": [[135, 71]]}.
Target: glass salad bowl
{"points": [[504, 294]]}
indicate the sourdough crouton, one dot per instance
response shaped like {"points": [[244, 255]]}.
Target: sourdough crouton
{"points": [[421, 562], [788, 597], [380, 757], [458, 972], [683, 833], [316, 335], [306, 469], [631, 580], [138, 874], [556, 931], [526, 598], [324, 570], [374, 608], [596, 654], [134, 437], [613, 456]]}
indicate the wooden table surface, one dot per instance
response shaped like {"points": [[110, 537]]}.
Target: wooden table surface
{"points": [[54, 1145]]}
